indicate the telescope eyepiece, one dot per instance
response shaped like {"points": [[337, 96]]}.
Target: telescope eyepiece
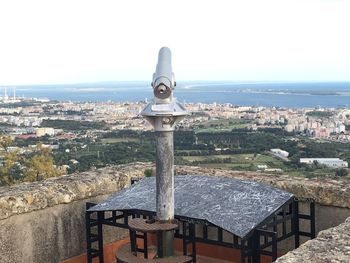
{"points": [[162, 91]]}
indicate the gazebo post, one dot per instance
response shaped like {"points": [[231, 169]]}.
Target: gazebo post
{"points": [[256, 246], [243, 254]]}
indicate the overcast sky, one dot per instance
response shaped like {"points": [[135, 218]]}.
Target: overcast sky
{"points": [[71, 41]]}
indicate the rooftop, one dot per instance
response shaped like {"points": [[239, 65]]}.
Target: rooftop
{"points": [[237, 206]]}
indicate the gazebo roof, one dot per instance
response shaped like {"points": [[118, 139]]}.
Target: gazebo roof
{"points": [[237, 206]]}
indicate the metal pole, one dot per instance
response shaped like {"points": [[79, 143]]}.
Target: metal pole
{"points": [[165, 187], [165, 175]]}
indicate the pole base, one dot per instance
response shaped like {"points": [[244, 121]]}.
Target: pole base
{"points": [[124, 255]]}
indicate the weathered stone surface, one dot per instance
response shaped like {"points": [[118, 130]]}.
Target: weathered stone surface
{"points": [[49, 235], [45, 221], [330, 246], [65, 189], [325, 191], [30, 197]]}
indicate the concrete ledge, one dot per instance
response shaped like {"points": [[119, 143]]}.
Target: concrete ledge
{"points": [[331, 245], [30, 197]]}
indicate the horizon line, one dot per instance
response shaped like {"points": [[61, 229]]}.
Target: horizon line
{"points": [[179, 81]]}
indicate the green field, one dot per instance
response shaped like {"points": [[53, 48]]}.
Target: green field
{"points": [[222, 125], [117, 140], [236, 161], [250, 162]]}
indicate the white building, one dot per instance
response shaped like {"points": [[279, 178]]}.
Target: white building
{"points": [[289, 127], [280, 152], [44, 131], [340, 128], [262, 166], [330, 162]]}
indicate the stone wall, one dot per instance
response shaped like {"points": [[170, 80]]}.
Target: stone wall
{"points": [[331, 245], [29, 197], [44, 221]]}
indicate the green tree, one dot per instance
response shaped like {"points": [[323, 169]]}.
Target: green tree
{"points": [[40, 166], [5, 142], [10, 168], [15, 169]]}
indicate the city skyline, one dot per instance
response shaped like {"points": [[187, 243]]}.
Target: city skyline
{"points": [[62, 42]]}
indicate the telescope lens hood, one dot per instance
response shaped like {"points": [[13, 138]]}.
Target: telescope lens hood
{"points": [[162, 92]]}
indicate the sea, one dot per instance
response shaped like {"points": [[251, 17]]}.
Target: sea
{"points": [[282, 95]]}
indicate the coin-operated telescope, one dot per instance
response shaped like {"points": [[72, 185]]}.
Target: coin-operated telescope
{"points": [[164, 112]]}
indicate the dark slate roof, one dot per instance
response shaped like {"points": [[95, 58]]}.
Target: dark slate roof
{"points": [[237, 206]]}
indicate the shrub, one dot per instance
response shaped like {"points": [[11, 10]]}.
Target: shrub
{"points": [[341, 172], [148, 172]]}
